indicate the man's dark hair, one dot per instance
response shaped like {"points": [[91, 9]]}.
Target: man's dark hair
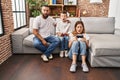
{"points": [[44, 6]]}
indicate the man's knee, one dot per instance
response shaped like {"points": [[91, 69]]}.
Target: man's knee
{"points": [[36, 42], [57, 40]]}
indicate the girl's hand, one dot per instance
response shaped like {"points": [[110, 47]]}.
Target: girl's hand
{"points": [[74, 39], [83, 39]]}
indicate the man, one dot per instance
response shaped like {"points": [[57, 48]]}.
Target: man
{"points": [[43, 29]]}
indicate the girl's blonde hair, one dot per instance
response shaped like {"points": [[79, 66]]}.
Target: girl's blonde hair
{"points": [[75, 32]]}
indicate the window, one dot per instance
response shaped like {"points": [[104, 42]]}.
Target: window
{"points": [[19, 13], [114, 11], [1, 26]]}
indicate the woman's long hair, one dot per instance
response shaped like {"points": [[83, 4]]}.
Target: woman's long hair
{"points": [[75, 32]]}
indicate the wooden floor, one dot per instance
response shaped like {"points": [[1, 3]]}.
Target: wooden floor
{"points": [[31, 67]]}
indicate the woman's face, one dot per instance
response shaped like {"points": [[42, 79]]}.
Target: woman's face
{"points": [[79, 28]]}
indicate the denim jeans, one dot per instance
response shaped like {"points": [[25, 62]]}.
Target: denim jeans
{"points": [[64, 43], [78, 47], [53, 43]]}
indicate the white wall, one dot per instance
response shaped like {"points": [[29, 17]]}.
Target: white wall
{"points": [[114, 11]]}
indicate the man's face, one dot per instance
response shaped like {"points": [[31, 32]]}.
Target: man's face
{"points": [[45, 11]]}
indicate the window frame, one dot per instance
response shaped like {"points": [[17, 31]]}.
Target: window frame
{"points": [[19, 12], [1, 34]]}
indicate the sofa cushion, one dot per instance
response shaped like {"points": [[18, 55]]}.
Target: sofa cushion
{"points": [[117, 32], [28, 41], [99, 25], [104, 44], [31, 24]]}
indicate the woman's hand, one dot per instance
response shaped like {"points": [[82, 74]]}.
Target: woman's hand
{"points": [[86, 41], [74, 39], [83, 39], [71, 41]]}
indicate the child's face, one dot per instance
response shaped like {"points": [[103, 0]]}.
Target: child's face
{"points": [[63, 17], [79, 28]]}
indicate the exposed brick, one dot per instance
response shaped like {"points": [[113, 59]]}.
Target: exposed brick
{"points": [[98, 10], [5, 42]]}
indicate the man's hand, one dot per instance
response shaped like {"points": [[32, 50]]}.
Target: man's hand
{"points": [[44, 43], [36, 33]]}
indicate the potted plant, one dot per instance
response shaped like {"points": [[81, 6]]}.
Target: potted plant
{"points": [[72, 14], [35, 6]]}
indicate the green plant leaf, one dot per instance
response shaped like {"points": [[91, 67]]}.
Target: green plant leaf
{"points": [[35, 6]]}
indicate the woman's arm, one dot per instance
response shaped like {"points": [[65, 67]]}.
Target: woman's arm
{"points": [[71, 41], [86, 41]]}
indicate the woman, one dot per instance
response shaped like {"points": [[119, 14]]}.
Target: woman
{"points": [[78, 43]]}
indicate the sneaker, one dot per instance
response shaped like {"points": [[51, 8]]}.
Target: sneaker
{"points": [[85, 68], [51, 56], [73, 67], [61, 53], [44, 57], [66, 53]]}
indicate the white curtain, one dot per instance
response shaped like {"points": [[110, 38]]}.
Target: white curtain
{"points": [[114, 11]]}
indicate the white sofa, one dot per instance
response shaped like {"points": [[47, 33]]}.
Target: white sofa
{"points": [[104, 50]]}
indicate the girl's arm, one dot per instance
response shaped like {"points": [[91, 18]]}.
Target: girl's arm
{"points": [[70, 43], [86, 40], [87, 43], [72, 38]]}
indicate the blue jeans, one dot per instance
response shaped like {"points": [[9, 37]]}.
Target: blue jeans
{"points": [[76, 48], [64, 42], [53, 43]]}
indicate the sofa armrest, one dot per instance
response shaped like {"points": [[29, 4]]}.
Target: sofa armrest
{"points": [[17, 39], [117, 32]]}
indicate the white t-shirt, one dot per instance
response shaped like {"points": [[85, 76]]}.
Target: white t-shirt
{"points": [[62, 27], [45, 26], [71, 36]]}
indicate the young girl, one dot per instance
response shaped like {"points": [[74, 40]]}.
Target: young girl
{"points": [[78, 43], [62, 29]]}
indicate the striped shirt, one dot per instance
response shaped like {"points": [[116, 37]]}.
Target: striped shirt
{"points": [[45, 26]]}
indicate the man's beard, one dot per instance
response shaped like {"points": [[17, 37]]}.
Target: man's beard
{"points": [[45, 16]]}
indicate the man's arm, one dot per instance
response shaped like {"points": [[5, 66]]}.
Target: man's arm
{"points": [[36, 33]]}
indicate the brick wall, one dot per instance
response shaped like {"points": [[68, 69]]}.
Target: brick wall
{"points": [[5, 43], [99, 10]]}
